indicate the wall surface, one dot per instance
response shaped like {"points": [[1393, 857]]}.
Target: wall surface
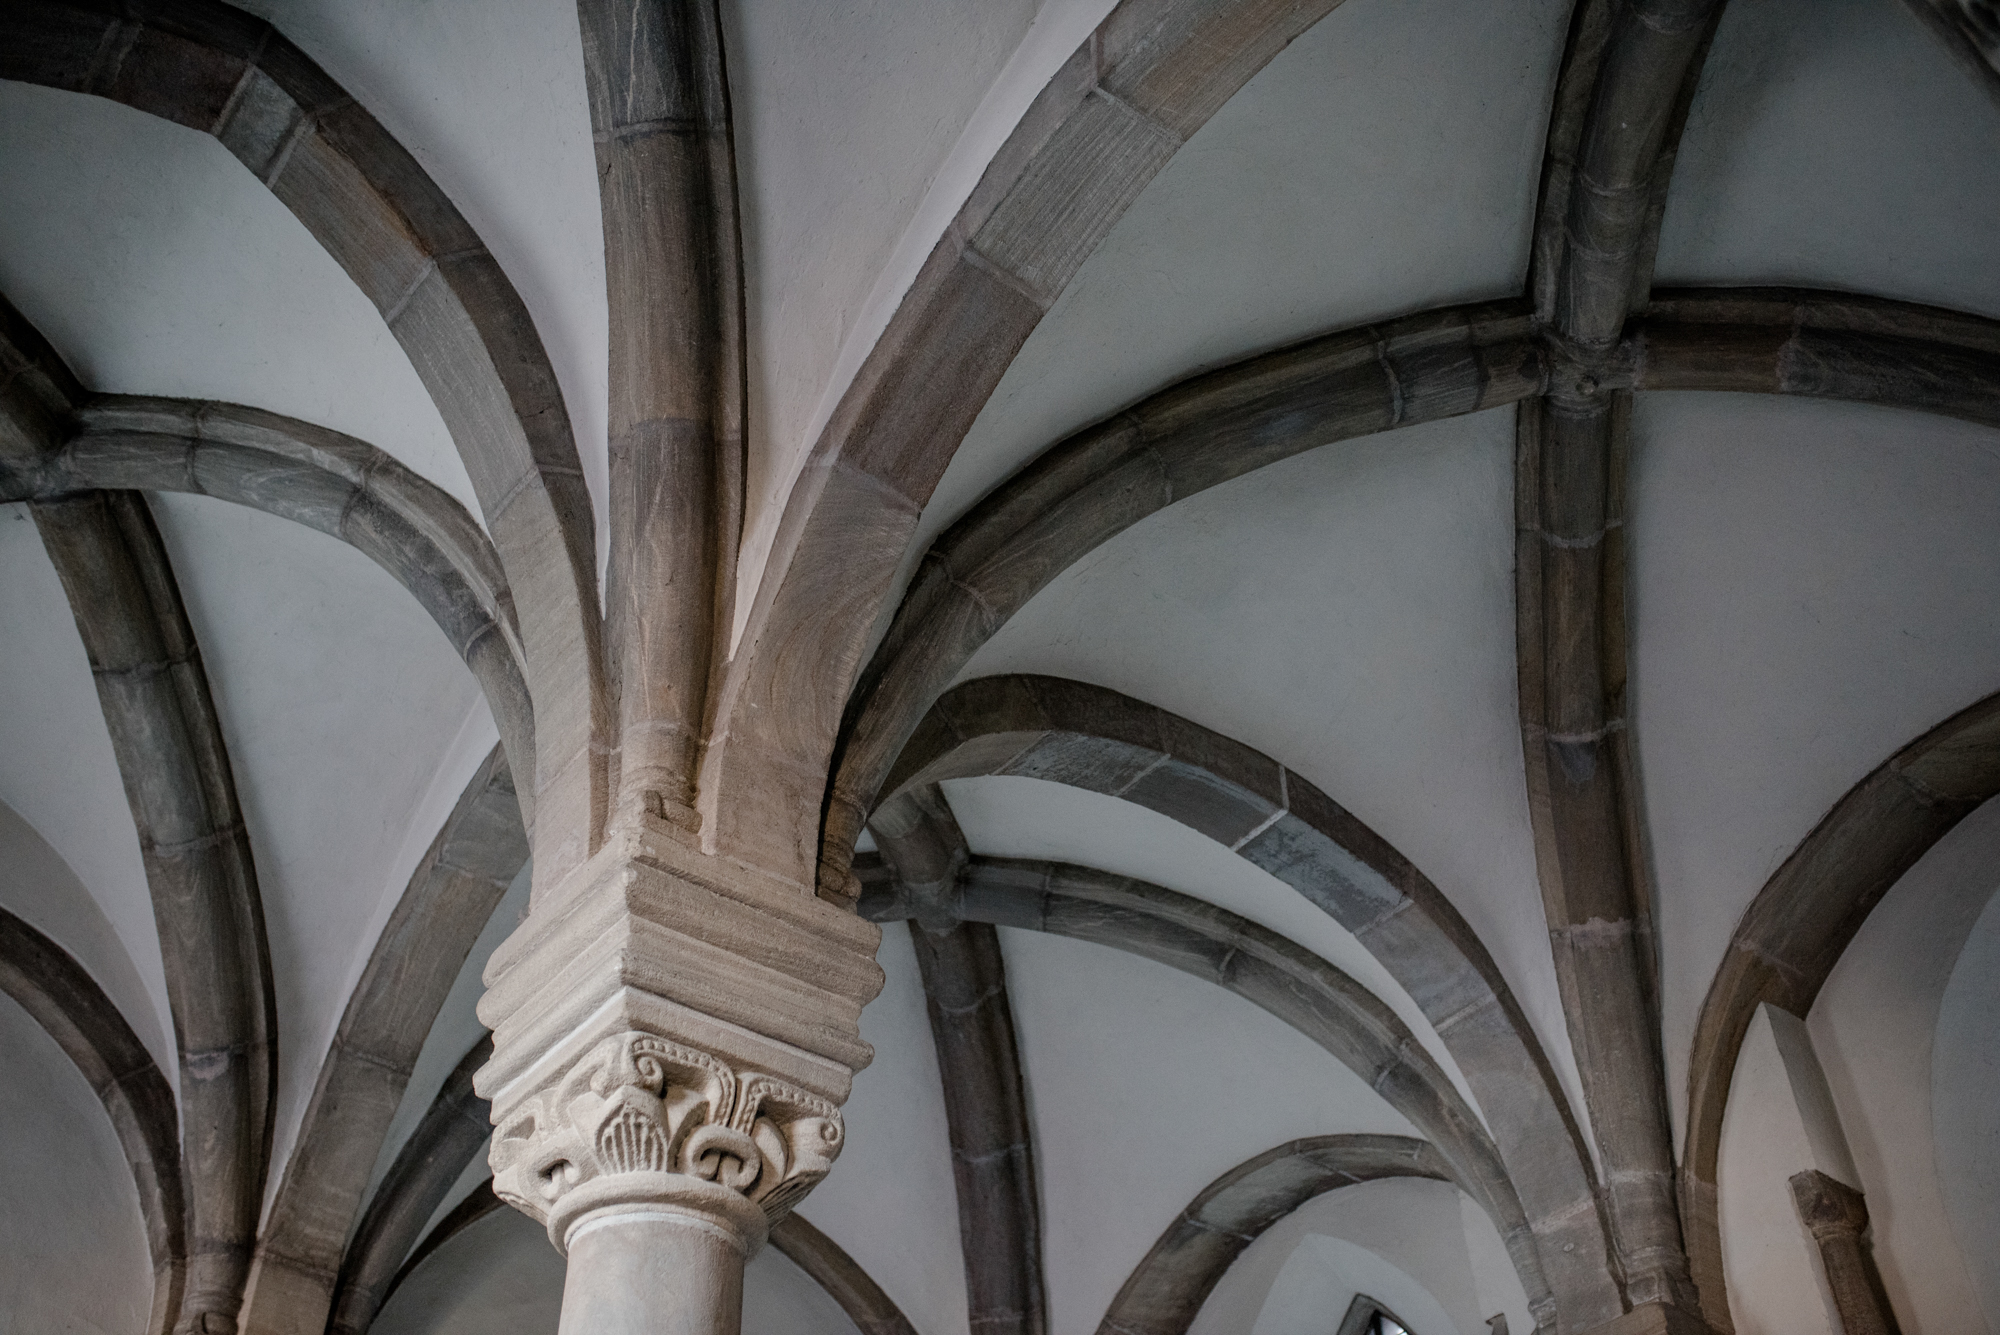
{"points": [[1016, 817], [1873, 1027], [1349, 612], [891, 1202], [1811, 586], [168, 269], [848, 117], [1816, 125], [38, 887], [352, 726], [488, 95], [1776, 1283], [1965, 1106], [1290, 214], [1145, 1085], [498, 1277]]}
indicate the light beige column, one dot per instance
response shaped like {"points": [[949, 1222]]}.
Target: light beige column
{"points": [[674, 1033], [655, 1266]]}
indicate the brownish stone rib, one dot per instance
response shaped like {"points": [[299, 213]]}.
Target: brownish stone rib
{"points": [[1826, 345], [1796, 929], [454, 1128], [1073, 497], [1100, 481], [1088, 737], [1629, 75], [659, 112], [979, 1065], [57, 439], [341, 486], [196, 851]]}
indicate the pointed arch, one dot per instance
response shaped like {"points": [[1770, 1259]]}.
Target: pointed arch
{"points": [[216, 69], [67, 1003], [1165, 1291], [1089, 737]]}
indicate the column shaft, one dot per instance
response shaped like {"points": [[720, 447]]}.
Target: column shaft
{"points": [[1837, 1217], [653, 1272]]}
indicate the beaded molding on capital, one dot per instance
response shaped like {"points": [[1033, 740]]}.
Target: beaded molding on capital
{"points": [[645, 1122]]}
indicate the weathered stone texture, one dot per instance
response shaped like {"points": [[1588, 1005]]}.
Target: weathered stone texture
{"points": [[979, 1065], [196, 851]]}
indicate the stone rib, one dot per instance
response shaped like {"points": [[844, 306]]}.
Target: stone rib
{"points": [[1273, 973], [343, 487], [871, 1310], [1821, 345], [1166, 1290], [62, 997], [196, 851], [1628, 78], [478, 1203], [979, 1065], [203, 64], [1087, 737], [1795, 931], [453, 1130], [1282, 978], [1103, 479], [1100, 481], [450, 897], [1765, 340], [1147, 79]]}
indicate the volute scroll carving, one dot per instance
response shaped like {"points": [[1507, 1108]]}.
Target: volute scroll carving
{"points": [[642, 1118]]}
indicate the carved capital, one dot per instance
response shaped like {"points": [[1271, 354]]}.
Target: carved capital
{"points": [[672, 1032], [644, 1120], [1828, 1207]]}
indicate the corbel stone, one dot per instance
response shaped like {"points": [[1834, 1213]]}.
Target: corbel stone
{"points": [[674, 1034]]}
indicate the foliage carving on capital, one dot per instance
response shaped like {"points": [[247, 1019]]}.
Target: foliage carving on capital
{"points": [[641, 1104]]}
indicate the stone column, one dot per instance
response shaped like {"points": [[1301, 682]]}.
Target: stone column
{"points": [[673, 1035], [1837, 1217]]}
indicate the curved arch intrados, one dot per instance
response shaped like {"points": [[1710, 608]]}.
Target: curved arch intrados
{"points": [[1090, 737], [1284, 979], [1222, 424], [1793, 934], [1166, 1290], [380, 216]]}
